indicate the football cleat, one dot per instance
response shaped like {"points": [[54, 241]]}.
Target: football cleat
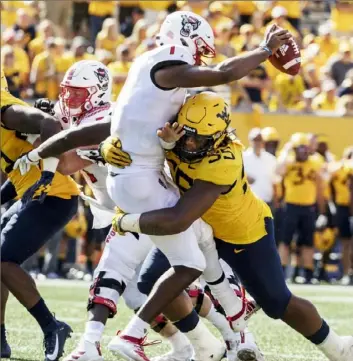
{"points": [[343, 351], [130, 348], [5, 348], [85, 351], [54, 341], [214, 352], [182, 355], [247, 349]]}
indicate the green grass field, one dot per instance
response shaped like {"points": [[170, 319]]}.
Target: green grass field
{"points": [[278, 342]]}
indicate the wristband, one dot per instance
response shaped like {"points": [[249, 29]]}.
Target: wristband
{"points": [[33, 155], [166, 145], [130, 223], [266, 48], [50, 164]]}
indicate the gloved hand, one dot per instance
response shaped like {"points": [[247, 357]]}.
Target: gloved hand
{"points": [[116, 222], [321, 222], [351, 223], [27, 160], [112, 152], [91, 154], [45, 105], [42, 186]]}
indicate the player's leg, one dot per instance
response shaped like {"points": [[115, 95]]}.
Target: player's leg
{"points": [[307, 220], [346, 238], [259, 269], [115, 272], [144, 192], [184, 317], [22, 236], [5, 347], [290, 223]]}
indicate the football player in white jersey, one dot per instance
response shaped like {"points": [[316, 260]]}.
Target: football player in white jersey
{"points": [[153, 93], [87, 83], [85, 99]]}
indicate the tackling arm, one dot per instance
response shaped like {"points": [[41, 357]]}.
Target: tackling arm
{"points": [[191, 206], [30, 120], [66, 140]]}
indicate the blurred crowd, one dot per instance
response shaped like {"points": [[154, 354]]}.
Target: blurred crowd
{"points": [[42, 39]]}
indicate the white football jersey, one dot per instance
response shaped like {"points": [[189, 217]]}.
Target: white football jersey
{"points": [[142, 107], [94, 175]]}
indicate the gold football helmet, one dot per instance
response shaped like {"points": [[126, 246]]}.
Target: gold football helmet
{"points": [[205, 118]]}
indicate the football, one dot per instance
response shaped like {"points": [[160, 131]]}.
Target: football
{"points": [[287, 58]]}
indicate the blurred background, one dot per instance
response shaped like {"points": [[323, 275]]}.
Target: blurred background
{"points": [[40, 40]]}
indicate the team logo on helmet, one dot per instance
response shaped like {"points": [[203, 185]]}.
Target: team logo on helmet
{"points": [[189, 24], [103, 78], [102, 75], [224, 115]]}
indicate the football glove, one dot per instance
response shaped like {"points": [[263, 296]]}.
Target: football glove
{"points": [[45, 105], [321, 222], [42, 187], [27, 160], [116, 222], [112, 152], [91, 154]]}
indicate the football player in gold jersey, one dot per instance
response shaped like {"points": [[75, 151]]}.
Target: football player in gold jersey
{"points": [[24, 229], [303, 185], [342, 189], [206, 164]]}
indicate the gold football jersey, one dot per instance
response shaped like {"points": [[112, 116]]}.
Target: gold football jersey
{"points": [[237, 216]]}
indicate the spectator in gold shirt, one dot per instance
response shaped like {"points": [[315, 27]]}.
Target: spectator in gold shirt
{"points": [[119, 69], [99, 11], [109, 38], [327, 99]]}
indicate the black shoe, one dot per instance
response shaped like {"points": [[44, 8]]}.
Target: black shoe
{"points": [[54, 341], [5, 348]]}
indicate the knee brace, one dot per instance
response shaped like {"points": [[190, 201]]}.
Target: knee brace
{"points": [[197, 293], [105, 291]]}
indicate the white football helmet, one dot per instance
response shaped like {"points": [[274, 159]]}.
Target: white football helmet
{"points": [[190, 30], [86, 85]]}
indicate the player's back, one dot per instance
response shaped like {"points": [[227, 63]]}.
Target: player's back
{"points": [[237, 216], [300, 182], [143, 107]]}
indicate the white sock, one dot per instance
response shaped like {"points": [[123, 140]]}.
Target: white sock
{"points": [[201, 337], [136, 328], [226, 297], [221, 323], [93, 331], [178, 341], [332, 346]]}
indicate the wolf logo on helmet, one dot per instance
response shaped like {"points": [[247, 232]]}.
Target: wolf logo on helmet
{"points": [[189, 24]]}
